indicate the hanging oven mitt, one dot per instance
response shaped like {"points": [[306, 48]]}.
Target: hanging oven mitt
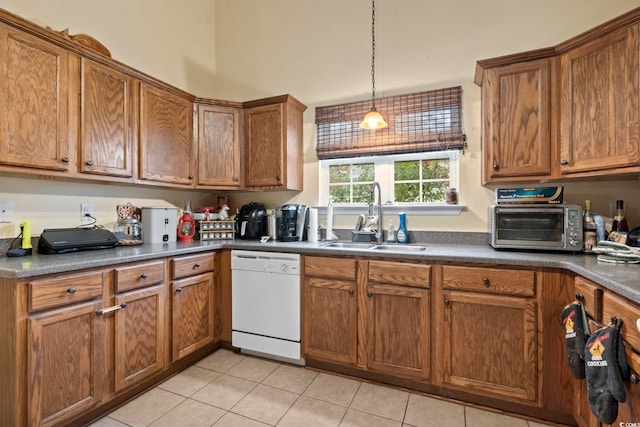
{"points": [[576, 332], [606, 369]]}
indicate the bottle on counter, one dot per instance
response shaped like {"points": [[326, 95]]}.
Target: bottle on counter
{"points": [[391, 233], [619, 226], [589, 230], [402, 235]]}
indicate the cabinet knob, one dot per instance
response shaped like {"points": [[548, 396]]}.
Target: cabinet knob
{"points": [[190, 177], [236, 179], [486, 281], [634, 379], [369, 294], [71, 290], [178, 290], [496, 166], [196, 265], [278, 177], [446, 302], [64, 160], [88, 163], [144, 276], [350, 291], [564, 162]]}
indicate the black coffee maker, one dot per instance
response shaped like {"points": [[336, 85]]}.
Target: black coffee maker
{"points": [[292, 221], [251, 221]]}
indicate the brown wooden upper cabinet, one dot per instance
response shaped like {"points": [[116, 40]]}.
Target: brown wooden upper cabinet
{"points": [[109, 121], [273, 143], [566, 111], [599, 104], [516, 105], [166, 138], [218, 146], [34, 89]]}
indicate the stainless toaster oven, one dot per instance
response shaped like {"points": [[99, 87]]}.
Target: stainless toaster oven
{"points": [[539, 227]]}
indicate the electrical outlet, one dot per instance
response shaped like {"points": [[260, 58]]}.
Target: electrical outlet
{"points": [[86, 212], [6, 211]]}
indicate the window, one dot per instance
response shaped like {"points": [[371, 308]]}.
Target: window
{"points": [[415, 159], [405, 179]]}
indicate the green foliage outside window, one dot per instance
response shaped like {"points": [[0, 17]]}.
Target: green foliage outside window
{"points": [[351, 183]]}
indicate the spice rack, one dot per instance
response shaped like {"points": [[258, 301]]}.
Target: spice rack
{"points": [[215, 230]]}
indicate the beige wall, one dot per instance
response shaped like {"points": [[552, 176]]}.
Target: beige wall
{"points": [[320, 53]]}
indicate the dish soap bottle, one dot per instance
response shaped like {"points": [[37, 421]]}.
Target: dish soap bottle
{"points": [[391, 233], [402, 236]]}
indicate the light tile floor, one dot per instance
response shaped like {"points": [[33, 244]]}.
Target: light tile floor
{"points": [[227, 389]]}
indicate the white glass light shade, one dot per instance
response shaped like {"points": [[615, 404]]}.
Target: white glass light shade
{"points": [[373, 120]]}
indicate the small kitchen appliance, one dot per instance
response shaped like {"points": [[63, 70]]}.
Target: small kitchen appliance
{"points": [[540, 227], [159, 224], [251, 221], [292, 221]]}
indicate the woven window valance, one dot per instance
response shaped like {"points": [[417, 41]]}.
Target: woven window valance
{"points": [[418, 122]]}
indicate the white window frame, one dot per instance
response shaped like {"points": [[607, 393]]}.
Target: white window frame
{"points": [[383, 169]]}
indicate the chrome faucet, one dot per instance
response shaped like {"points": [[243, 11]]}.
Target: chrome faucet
{"points": [[375, 185]]}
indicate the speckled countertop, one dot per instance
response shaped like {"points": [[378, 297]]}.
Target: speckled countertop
{"points": [[623, 279]]}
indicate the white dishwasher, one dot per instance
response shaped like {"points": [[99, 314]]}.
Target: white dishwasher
{"points": [[265, 303]]}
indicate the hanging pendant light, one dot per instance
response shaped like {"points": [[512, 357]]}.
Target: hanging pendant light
{"points": [[373, 120]]}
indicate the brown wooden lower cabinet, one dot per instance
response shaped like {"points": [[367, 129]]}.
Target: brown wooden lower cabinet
{"points": [[369, 314]]}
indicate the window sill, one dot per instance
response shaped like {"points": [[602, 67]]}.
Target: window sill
{"points": [[432, 209]]}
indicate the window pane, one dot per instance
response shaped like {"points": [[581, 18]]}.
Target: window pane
{"points": [[361, 193], [339, 193], [407, 192], [404, 171], [363, 172], [435, 169], [339, 173], [434, 191]]}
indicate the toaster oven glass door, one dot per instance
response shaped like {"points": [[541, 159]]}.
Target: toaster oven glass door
{"points": [[535, 228]]}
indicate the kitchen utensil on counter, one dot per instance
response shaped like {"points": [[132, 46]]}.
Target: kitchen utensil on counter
{"points": [[159, 224], [251, 221]]}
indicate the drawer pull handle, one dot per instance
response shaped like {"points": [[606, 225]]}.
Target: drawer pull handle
{"points": [[144, 275], [71, 290], [446, 302], [110, 309], [89, 163], [196, 265], [486, 281], [178, 290], [64, 160]]}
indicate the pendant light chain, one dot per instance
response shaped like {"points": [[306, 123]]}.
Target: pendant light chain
{"points": [[373, 55]]}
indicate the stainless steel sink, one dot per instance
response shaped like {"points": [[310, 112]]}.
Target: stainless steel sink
{"points": [[348, 245], [399, 248]]}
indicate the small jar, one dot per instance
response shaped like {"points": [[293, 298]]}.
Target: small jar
{"points": [[451, 197], [128, 231]]}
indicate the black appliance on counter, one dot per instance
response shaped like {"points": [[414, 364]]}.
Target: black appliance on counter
{"points": [[292, 221], [251, 222]]}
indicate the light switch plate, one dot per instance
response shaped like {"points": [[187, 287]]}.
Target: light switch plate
{"points": [[6, 211]]}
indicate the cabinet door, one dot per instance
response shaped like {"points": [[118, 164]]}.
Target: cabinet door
{"points": [[218, 146], [395, 336], [108, 121], [33, 111], [166, 137], [66, 361], [489, 345], [329, 320], [192, 325], [264, 139], [140, 344], [599, 104], [517, 121]]}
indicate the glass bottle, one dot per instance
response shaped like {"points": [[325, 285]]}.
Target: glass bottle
{"points": [[402, 235], [619, 226], [589, 232]]}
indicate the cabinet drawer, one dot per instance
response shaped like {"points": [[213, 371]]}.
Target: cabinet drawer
{"points": [[418, 275], [626, 311], [139, 275], [192, 264], [330, 268], [68, 289], [592, 295], [494, 280]]}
